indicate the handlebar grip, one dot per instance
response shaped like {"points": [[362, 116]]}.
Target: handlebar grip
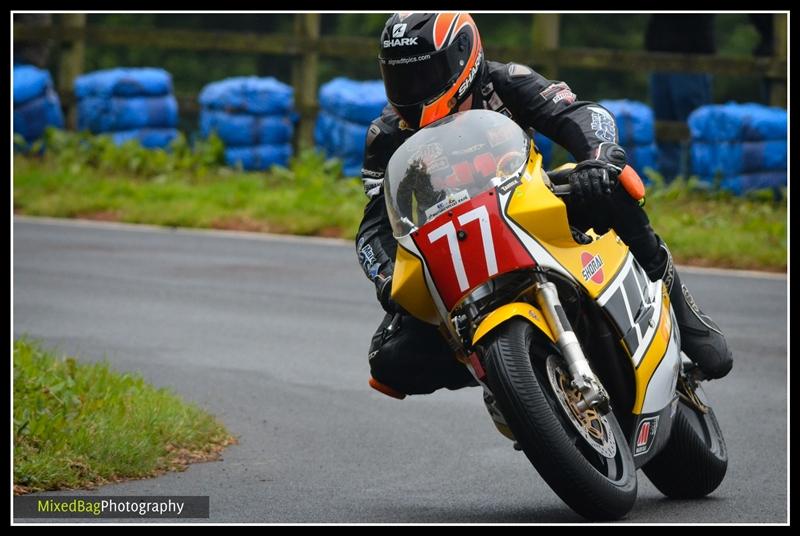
{"points": [[629, 179], [562, 189], [632, 183]]}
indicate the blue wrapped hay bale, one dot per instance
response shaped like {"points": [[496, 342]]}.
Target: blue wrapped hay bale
{"points": [[355, 101], [36, 104], [635, 121], [258, 157], [743, 146], [738, 122], [117, 113], [30, 83], [342, 139], [746, 182], [642, 157], [124, 82], [347, 107], [322, 130], [33, 117], [740, 184], [730, 158], [248, 95], [254, 118], [150, 138], [128, 103], [345, 137], [243, 130]]}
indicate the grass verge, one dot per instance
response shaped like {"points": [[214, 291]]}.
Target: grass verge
{"points": [[304, 200], [77, 426], [715, 228]]}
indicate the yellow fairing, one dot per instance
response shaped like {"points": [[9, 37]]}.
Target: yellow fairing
{"points": [[498, 316], [655, 353], [538, 210], [544, 216], [409, 289]]}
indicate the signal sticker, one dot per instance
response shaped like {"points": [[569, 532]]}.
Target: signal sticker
{"points": [[645, 434], [592, 267]]}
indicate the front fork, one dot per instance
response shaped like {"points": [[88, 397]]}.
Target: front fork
{"points": [[583, 379]]}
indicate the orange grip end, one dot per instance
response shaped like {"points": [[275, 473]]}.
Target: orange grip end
{"points": [[385, 389], [632, 183]]}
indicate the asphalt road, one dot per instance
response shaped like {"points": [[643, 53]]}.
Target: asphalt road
{"points": [[271, 336]]}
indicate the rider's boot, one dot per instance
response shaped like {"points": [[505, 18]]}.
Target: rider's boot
{"points": [[701, 339]]}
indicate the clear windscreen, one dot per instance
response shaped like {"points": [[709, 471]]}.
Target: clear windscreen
{"points": [[449, 162]]}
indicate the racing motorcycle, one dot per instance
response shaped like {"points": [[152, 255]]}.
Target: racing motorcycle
{"points": [[577, 351]]}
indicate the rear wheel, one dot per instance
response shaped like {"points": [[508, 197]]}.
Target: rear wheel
{"points": [[583, 456], [695, 459]]}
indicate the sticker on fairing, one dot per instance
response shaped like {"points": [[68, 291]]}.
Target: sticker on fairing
{"points": [[592, 267], [509, 185], [645, 434], [447, 203]]}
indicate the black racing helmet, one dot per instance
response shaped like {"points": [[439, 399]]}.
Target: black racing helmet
{"points": [[430, 63]]}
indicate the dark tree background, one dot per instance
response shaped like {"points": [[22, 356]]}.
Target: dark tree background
{"points": [[734, 35]]}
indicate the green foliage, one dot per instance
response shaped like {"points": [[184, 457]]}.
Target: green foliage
{"points": [[20, 144], [78, 151], [735, 35], [83, 180], [76, 425], [712, 227]]}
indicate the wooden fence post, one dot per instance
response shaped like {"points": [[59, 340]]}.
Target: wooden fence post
{"points": [[777, 95], [546, 33], [70, 64], [304, 77]]}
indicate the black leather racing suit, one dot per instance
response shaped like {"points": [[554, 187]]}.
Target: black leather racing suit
{"points": [[411, 356]]}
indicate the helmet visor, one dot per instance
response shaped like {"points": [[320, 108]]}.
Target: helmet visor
{"points": [[414, 80]]}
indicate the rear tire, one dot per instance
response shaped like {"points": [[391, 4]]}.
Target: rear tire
{"points": [[597, 487], [694, 460]]}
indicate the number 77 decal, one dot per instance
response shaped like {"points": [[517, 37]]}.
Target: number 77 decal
{"points": [[449, 230]]}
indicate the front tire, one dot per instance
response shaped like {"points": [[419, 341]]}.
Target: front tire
{"points": [[597, 486]]}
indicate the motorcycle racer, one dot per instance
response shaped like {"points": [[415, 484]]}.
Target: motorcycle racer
{"points": [[433, 65]]}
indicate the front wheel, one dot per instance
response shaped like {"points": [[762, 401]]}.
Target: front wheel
{"points": [[583, 456]]}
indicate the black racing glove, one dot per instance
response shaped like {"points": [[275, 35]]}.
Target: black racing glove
{"points": [[597, 178], [591, 180]]}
